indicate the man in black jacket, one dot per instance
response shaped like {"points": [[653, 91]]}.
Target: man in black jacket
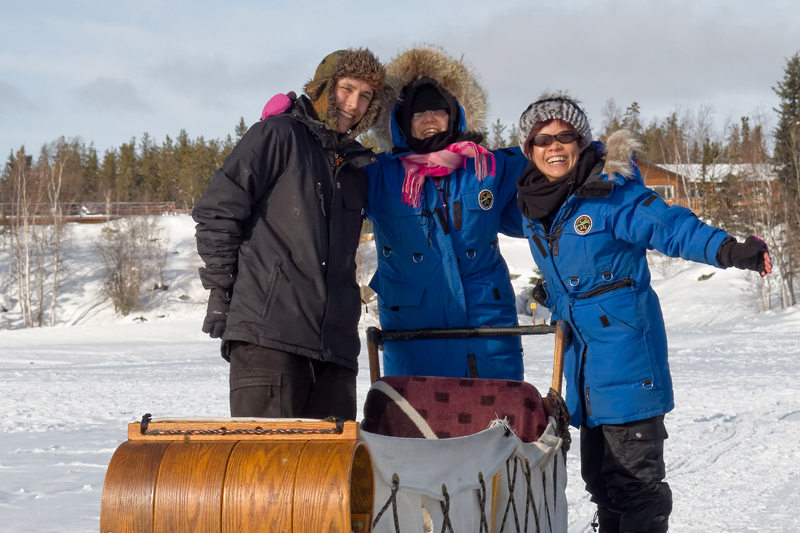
{"points": [[278, 229]]}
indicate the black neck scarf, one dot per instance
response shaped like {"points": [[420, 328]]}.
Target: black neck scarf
{"points": [[540, 198]]}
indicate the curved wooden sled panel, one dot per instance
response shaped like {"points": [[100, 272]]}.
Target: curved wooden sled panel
{"points": [[190, 485], [129, 488], [206, 484]]}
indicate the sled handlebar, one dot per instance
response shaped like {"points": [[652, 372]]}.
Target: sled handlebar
{"points": [[376, 337]]}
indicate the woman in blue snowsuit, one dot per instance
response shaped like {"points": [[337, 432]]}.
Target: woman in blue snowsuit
{"points": [[437, 208], [590, 221]]}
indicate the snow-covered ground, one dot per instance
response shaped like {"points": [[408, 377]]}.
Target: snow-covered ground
{"points": [[68, 392]]}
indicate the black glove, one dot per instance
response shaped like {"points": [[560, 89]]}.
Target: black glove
{"points": [[748, 255], [539, 293], [219, 303]]}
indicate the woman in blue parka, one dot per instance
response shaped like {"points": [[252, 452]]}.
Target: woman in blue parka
{"points": [[590, 221], [437, 201]]}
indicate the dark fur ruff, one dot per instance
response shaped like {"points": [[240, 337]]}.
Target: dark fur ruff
{"points": [[453, 75], [360, 64]]}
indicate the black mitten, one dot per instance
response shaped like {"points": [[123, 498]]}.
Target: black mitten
{"points": [[748, 255], [539, 293], [219, 303]]}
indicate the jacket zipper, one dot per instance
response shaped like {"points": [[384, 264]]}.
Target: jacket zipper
{"points": [[336, 165], [627, 282], [588, 403], [321, 198], [273, 282]]}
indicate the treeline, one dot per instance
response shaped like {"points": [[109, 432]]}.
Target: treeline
{"points": [[760, 197], [685, 136], [179, 170], [140, 170]]}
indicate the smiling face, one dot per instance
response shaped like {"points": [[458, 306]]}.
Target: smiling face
{"points": [[352, 100], [427, 123], [555, 160]]}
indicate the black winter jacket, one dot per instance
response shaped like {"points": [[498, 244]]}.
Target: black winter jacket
{"points": [[279, 225]]}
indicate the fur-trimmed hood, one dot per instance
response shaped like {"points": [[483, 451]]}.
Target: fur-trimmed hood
{"points": [[428, 61], [619, 153], [620, 148], [358, 63]]}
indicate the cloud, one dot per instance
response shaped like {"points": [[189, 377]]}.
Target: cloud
{"points": [[215, 81], [105, 94], [12, 100]]}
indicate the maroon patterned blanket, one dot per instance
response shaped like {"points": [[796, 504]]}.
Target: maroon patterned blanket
{"points": [[434, 407]]}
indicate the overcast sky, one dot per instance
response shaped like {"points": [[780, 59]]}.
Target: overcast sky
{"points": [[107, 71]]}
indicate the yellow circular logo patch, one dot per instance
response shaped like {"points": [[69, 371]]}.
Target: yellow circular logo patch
{"points": [[486, 199], [583, 224]]}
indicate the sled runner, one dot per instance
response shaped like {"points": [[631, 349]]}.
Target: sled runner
{"points": [[265, 475]]}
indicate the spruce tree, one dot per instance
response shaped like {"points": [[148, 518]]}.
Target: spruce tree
{"points": [[497, 140], [241, 129], [631, 119], [513, 136], [787, 134], [786, 159]]}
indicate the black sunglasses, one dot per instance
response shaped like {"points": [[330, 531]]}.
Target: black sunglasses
{"points": [[565, 137]]}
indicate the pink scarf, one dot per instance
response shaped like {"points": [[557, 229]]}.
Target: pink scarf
{"points": [[438, 164]]}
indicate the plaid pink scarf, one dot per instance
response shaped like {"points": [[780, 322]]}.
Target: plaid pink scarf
{"points": [[438, 164]]}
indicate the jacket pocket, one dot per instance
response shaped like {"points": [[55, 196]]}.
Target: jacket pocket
{"points": [[639, 446], [476, 213], [612, 325], [490, 293], [399, 302], [272, 287], [395, 291]]}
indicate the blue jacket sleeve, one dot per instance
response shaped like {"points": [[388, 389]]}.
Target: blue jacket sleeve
{"points": [[510, 165], [644, 218]]}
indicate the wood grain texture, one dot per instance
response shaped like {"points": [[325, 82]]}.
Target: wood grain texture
{"points": [[558, 356], [250, 485], [129, 488], [322, 490], [374, 362], [362, 482], [259, 487], [189, 491]]}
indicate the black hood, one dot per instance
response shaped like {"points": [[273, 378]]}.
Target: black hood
{"points": [[442, 139]]}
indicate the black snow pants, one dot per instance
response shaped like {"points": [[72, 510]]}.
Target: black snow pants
{"points": [[623, 468], [275, 384]]}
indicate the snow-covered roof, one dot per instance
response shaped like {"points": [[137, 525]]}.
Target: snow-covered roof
{"points": [[717, 173]]}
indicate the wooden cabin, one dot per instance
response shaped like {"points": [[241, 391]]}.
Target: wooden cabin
{"points": [[692, 185], [673, 187]]}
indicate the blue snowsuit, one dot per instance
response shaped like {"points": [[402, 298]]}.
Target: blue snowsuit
{"points": [[597, 279], [439, 265]]}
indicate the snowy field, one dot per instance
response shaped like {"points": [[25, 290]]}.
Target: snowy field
{"points": [[67, 393]]}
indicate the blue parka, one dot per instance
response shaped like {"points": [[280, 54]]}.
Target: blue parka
{"points": [[439, 266], [596, 277]]}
